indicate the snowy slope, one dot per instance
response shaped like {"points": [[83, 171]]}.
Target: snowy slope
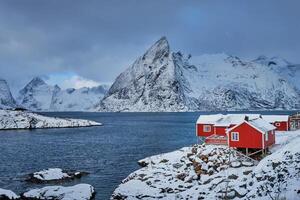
{"points": [[289, 71], [37, 95], [162, 80], [28, 120], [77, 99], [216, 172], [6, 99]]}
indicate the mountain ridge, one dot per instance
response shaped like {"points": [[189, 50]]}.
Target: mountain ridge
{"points": [[162, 80]]}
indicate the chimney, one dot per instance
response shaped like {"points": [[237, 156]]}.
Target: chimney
{"points": [[246, 118]]}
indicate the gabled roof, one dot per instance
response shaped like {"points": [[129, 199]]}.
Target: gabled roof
{"points": [[275, 118], [225, 120], [259, 124]]}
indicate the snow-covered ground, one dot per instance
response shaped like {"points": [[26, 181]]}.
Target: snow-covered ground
{"points": [[7, 194], [54, 174], [213, 172], [27, 120], [76, 192]]}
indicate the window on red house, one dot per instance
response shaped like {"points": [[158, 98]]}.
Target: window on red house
{"points": [[235, 136], [206, 128], [277, 124]]}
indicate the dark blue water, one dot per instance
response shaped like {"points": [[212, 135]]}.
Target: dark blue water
{"points": [[109, 152]]}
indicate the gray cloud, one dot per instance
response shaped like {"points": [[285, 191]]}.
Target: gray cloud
{"points": [[99, 39]]}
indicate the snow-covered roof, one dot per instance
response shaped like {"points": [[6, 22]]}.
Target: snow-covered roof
{"points": [[258, 123], [225, 120], [262, 125], [275, 118]]}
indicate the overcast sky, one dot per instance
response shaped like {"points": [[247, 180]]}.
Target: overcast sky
{"points": [[93, 41]]}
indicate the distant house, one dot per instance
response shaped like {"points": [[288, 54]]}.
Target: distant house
{"points": [[252, 134], [295, 121], [281, 122], [216, 124]]}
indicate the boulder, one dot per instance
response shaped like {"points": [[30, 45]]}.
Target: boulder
{"points": [[54, 175]]}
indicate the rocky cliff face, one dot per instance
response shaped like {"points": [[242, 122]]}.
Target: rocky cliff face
{"points": [[150, 84], [161, 80], [6, 99]]}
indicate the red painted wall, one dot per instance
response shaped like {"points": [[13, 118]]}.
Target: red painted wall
{"points": [[282, 126], [221, 130], [271, 139], [249, 137], [200, 131]]}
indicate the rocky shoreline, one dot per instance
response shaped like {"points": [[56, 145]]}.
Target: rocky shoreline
{"points": [[10, 119], [216, 172]]}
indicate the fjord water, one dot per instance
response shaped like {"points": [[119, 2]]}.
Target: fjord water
{"points": [[109, 153]]}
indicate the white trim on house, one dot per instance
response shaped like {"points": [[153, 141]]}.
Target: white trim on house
{"points": [[248, 124], [206, 126], [266, 136], [263, 141], [235, 139]]}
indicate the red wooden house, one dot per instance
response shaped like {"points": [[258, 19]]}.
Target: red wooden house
{"points": [[252, 134], [282, 122], [216, 124]]}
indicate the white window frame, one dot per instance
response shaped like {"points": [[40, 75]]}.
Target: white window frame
{"points": [[237, 138], [277, 124], [267, 136], [206, 128]]}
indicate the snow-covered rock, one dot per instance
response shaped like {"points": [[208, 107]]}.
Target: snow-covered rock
{"points": [[77, 99], [76, 192], [162, 80], [216, 172], [6, 99], [37, 95], [54, 175], [28, 120], [7, 195]]}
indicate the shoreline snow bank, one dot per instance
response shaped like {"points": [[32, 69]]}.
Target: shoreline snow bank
{"points": [[212, 172], [27, 120]]}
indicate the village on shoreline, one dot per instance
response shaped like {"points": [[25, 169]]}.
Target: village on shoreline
{"points": [[239, 156], [244, 156]]}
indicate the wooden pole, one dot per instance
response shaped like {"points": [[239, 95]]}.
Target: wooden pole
{"points": [[247, 152]]}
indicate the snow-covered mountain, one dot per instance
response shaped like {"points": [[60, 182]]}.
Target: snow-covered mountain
{"points": [[77, 99], [37, 95], [6, 99], [287, 70], [162, 80]]}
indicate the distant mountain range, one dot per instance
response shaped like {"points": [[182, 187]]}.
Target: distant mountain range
{"points": [[163, 80], [37, 95]]}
